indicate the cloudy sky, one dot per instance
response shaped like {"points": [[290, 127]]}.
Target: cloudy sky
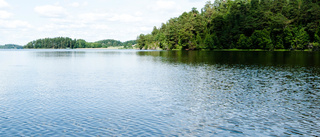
{"points": [[22, 21]]}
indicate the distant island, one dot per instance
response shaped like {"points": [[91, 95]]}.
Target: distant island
{"points": [[241, 24], [68, 43], [11, 46]]}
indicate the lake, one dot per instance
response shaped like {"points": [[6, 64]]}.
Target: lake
{"points": [[159, 93]]}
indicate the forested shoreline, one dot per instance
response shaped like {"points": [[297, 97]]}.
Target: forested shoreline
{"points": [[66, 42], [10, 46], [241, 24]]}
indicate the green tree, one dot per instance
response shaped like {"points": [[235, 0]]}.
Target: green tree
{"points": [[301, 38], [261, 39], [208, 41], [141, 41], [279, 42], [244, 42], [316, 37]]}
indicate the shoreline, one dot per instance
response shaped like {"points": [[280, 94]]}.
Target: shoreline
{"points": [[120, 48], [103, 48], [95, 48]]}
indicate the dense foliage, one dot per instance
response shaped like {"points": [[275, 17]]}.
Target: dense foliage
{"points": [[10, 46], [65, 42], [129, 44], [241, 24], [117, 43]]}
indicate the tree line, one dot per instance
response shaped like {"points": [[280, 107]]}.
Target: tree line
{"points": [[65, 42], [117, 43], [241, 24], [10, 46]]}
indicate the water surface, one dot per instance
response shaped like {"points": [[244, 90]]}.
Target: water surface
{"points": [[159, 93]]}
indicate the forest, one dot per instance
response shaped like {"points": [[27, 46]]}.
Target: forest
{"points": [[240, 24], [10, 46], [65, 43]]}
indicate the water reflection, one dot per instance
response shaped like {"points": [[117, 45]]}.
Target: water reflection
{"points": [[304, 59], [79, 53], [57, 53]]}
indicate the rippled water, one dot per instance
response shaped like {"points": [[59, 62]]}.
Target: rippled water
{"points": [[158, 93]]}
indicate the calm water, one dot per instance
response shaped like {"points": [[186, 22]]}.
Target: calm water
{"points": [[159, 93]]}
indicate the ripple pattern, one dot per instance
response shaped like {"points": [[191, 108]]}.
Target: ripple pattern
{"points": [[120, 93]]}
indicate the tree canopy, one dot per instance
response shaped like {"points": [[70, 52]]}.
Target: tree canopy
{"points": [[10, 46], [241, 24], [65, 42]]}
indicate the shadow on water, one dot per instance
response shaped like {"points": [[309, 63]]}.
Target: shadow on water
{"points": [[54, 54], [302, 59], [80, 53]]}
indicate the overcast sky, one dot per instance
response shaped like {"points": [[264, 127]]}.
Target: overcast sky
{"points": [[22, 21]]}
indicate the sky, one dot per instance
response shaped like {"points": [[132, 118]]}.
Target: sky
{"points": [[22, 21]]}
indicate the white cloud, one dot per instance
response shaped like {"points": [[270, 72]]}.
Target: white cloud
{"points": [[100, 26], [145, 29], [90, 17], [85, 4], [104, 17], [56, 26], [138, 13], [5, 14], [13, 24], [51, 11], [125, 18], [75, 4], [161, 4], [166, 7], [3, 4]]}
